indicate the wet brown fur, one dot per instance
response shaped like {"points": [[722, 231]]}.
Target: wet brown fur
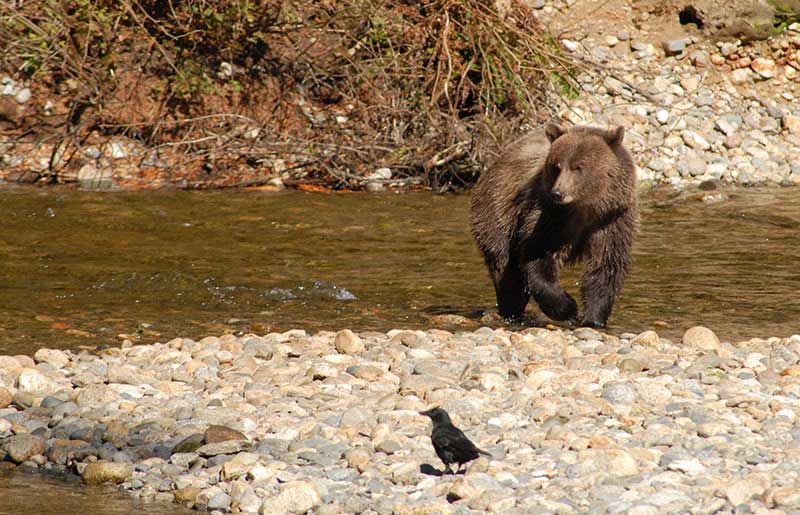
{"points": [[526, 235]]}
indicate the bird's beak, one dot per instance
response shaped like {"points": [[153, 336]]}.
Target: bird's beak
{"points": [[426, 413]]}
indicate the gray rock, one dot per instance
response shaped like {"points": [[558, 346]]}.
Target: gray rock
{"points": [[619, 393], [674, 46], [220, 501]]}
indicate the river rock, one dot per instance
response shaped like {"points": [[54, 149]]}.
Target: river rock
{"points": [[348, 342], [189, 444], [617, 462], [23, 95], [22, 447], [741, 491], [791, 123], [358, 459], [295, 497], [5, 398], [219, 501], [786, 497], [702, 338], [106, 472], [226, 447], [648, 338], [55, 357], [764, 67], [30, 380], [674, 46], [187, 495], [216, 434]]}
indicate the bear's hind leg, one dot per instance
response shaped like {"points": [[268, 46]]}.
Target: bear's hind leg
{"points": [[511, 292]]}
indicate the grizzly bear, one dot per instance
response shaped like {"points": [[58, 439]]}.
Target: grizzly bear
{"points": [[551, 199]]}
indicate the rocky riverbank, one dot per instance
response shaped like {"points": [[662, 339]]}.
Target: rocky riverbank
{"points": [[697, 110], [577, 421]]}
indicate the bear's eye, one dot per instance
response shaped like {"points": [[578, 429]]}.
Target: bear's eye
{"points": [[556, 167], [578, 168]]}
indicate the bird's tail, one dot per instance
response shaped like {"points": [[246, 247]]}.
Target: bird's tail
{"points": [[481, 451]]}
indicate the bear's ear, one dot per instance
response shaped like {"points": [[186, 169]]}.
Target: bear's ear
{"points": [[553, 131], [614, 136]]}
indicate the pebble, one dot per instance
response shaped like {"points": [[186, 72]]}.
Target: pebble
{"points": [[764, 67], [576, 421], [791, 123], [695, 140], [23, 96], [674, 46]]}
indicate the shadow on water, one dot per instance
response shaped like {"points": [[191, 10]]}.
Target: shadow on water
{"points": [[81, 268]]}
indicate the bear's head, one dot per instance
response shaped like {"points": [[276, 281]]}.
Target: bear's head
{"points": [[584, 165]]}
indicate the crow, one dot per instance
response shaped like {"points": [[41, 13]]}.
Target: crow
{"points": [[449, 442]]}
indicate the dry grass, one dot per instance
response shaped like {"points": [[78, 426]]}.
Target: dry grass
{"points": [[319, 91]]}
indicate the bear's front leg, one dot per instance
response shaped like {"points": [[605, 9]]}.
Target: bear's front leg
{"points": [[608, 262], [554, 302]]}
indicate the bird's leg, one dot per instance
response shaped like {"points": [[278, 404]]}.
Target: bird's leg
{"points": [[447, 469]]}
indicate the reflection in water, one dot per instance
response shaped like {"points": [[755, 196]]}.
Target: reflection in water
{"points": [[22, 493], [79, 268]]}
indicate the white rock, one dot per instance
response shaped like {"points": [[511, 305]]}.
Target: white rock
{"points": [[764, 67], [689, 466], [741, 491], [492, 382], [570, 45], [295, 497], [695, 140], [539, 377], [31, 380], [118, 150], [381, 174], [702, 338], [741, 75], [348, 342], [23, 95], [55, 357]]}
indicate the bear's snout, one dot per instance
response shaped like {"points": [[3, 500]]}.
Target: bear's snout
{"points": [[559, 197]]}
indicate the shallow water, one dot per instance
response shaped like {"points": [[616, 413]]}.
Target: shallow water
{"points": [[25, 493], [81, 268]]}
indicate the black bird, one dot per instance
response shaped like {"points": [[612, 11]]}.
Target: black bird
{"points": [[449, 442]]}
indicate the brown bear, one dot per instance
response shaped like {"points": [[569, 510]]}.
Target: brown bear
{"points": [[556, 197]]}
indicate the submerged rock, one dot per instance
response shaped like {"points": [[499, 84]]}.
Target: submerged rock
{"points": [[106, 472]]}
